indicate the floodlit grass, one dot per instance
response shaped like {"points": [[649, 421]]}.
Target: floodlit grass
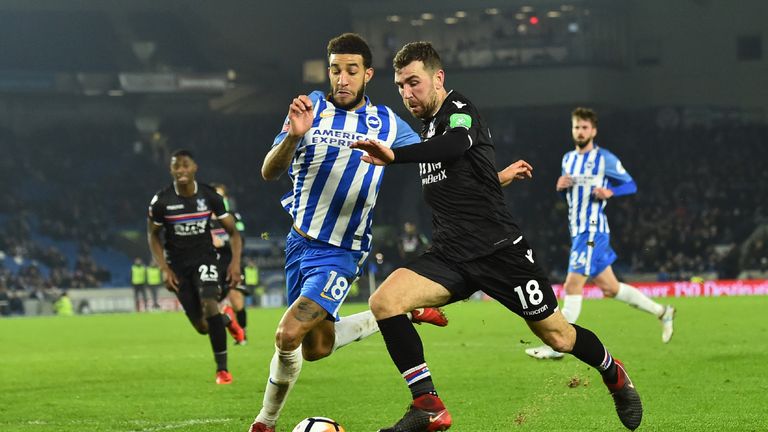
{"points": [[152, 372]]}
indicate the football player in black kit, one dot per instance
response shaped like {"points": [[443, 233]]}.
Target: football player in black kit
{"points": [[475, 244], [187, 258], [236, 297]]}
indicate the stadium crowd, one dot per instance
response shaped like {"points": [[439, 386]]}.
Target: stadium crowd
{"points": [[697, 210]]}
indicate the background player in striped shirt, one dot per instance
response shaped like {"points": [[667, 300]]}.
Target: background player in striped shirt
{"points": [[590, 176], [331, 205]]}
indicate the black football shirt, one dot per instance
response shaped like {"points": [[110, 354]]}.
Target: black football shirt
{"points": [[470, 218], [186, 222]]}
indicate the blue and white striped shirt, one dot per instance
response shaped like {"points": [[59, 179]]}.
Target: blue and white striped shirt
{"points": [[334, 192], [596, 168]]}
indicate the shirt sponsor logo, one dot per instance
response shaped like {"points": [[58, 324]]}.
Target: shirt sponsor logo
{"points": [[190, 228], [431, 173], [586, 180], [433, 178], [335, 137]]}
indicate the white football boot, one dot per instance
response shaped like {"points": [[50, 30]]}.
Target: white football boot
{"points": [[667, 321], [544, 352]]}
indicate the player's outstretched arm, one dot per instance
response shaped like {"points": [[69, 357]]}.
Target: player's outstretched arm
{"points": [[518, 170], [378, 154], [299, 121]]}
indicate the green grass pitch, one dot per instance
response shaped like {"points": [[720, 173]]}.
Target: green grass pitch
{"points": [[152, 372]]}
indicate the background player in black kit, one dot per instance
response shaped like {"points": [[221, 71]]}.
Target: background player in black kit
{"points": [[187, 257], [475, 244]]}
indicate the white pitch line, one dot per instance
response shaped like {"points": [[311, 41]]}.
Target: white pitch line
{"points": [[185, 423]]}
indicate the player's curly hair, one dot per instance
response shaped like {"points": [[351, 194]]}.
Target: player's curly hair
{"points": [[588, 114], [351, 43], [418, 51]]}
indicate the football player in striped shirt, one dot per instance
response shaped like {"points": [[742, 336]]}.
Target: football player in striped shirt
{"points": [[590, 176], [331, 204]]}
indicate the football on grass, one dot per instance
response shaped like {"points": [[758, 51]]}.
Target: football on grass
{"points": [[318, 424]]}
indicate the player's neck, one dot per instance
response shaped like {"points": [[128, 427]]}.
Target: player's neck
{"points": [[586, 149], [186, 190], [442, 95]]}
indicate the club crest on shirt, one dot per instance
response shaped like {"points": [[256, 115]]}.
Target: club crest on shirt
{"points": [[431, 130], [201, 206], [589, 165], [373, 122]]}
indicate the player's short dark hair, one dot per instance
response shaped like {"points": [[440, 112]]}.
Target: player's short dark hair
{"points": [[418, 51], [351, 43], [182, 152], [585, 114]]}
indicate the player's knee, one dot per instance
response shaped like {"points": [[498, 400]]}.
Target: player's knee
{"points": [[201, 326], [383, 305], [609, 289], [288, 339]]}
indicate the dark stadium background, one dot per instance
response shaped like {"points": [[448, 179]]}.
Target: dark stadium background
{"points": [[94, 95]]}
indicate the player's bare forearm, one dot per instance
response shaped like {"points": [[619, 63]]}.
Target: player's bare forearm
{"points": [[155, 246], [279, 158], [236, 245]]}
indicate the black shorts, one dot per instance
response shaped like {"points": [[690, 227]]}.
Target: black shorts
{"points": [[225, 257], [510, 275], [197, 280]]}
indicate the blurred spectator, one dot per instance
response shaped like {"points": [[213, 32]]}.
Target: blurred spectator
{"points": [[695, 209], [16, 304], [154, 281], [63, 306], [412, 243], [5, 306], [139, 283]]}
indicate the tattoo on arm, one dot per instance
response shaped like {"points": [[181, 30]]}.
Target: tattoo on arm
{"points": [[307, 311]]}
